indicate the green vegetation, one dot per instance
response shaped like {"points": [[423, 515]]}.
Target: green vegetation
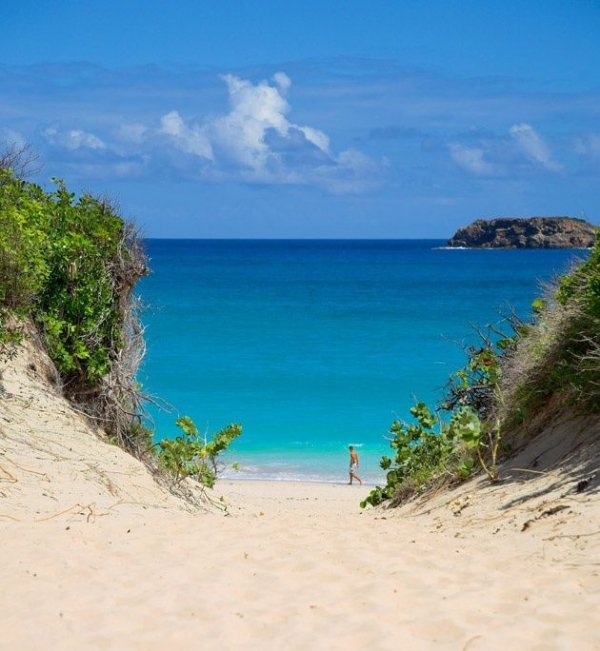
{"points": [[447, 449], [190, 455], [68, 266], [61, 263], [507, 390], [559, 359]]}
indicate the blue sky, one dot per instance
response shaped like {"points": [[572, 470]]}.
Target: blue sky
{"points": [[310, 119]]}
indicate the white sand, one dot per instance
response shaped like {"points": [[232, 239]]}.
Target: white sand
{"points": [[95, 555]]}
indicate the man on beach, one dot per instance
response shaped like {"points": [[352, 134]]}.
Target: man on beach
{"points": [[353, 465]]}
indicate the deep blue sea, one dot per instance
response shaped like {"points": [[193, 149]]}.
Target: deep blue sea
{"points": [[315, 345]]}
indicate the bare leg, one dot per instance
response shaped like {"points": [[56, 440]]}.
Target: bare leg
{"points": [[353, 475]]}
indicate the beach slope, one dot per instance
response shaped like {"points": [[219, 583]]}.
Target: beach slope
{"points": [[97, 555]]}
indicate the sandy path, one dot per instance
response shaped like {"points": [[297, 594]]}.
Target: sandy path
{"points": [[95, 555], [295, 566]]}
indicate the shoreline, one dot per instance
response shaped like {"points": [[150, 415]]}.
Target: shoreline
{"points": [[333, 482], [325, 467]]}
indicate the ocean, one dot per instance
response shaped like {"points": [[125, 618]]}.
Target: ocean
{"points": [[316, 345]]}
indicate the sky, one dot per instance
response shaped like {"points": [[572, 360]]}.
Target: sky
{"points": [[312, 119]]}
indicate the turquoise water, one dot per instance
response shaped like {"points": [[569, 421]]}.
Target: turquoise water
{"points": [[315, 345]]}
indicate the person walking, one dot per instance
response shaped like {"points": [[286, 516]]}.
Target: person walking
{"points": [[354, 463]]}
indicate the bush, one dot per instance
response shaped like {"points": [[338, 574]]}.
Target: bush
{"points": [[24, 229], [57, 261], [191, 455], [506, 382], [431, 448], [70, 265]]}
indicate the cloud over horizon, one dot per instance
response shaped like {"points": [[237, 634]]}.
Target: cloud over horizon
{"points": [[254, 142], [522, 149], [371, 139], [73, 139], [533, 146]]}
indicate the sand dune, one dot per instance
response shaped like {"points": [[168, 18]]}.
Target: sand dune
{"points": [[96, 555]]}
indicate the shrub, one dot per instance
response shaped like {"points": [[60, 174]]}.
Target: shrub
{"points": [[555, 359], [70, 265], [558, 360], [431, 448], [191, 455], [24, 265], [57, 260]]}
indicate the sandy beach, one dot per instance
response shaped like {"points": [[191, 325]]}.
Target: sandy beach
{"points": [[96, 555], [252, 250]]}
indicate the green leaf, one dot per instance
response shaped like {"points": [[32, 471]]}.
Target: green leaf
{"points": [[421, 412], [466, 426], [385, 463]]}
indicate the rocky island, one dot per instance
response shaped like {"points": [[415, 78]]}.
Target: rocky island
{"points": [[526, 233]]}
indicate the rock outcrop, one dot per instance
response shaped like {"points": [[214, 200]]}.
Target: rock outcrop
{"points": [[525, 233]]}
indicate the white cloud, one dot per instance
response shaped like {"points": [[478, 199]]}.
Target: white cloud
{"points": [[318, 138], [282, 80], [258, 111], [472, 160], [254, 142], [533, 146], [73, 139], [191, 140], [519, 151]]}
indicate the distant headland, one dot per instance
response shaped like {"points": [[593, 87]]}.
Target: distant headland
{"points": [[526, 233]]}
